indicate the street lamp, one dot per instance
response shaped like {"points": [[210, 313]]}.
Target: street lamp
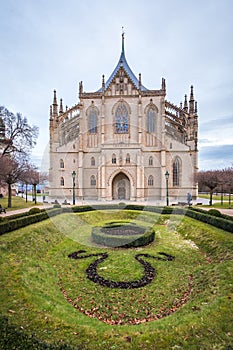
{"points": [[73, 177], [167, 176]]}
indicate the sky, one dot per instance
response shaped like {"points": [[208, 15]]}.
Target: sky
{"points": [[54, 44]]}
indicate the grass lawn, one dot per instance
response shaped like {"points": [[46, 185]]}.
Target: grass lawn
{"points": [[17, 203], [215, 197], [49, 301], [218, 205]]}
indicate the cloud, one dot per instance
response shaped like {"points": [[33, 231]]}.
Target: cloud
{"points": [[221, 122], [216, 157]]}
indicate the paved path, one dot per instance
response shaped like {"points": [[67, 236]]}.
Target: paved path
{"points": [[24, 210], [45, 206]]}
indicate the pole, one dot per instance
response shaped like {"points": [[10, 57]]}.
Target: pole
{"points": [[73, 190], [167, 192]]}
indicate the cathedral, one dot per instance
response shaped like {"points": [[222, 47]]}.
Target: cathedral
{"points": [[123, 142]]}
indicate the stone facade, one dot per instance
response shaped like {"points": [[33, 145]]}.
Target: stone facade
{"points": [[121, 140]]}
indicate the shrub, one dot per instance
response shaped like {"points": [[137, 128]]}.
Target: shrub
{"points": [[57, 206], [214, 212], [34, 211]]}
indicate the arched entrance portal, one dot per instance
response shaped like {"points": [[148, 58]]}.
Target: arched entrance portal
{"points": [[121, 187]]}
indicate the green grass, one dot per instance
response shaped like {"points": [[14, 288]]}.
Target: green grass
{"points": [[225, 205], [215, 197], [46, 294], [17, 203]]}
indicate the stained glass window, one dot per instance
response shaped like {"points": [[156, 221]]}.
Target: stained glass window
{"points": [[150, 161], [113, 159], [150, 180], [176, 172], [93, 180], [92, 122], [121, 119], [151, 120]]}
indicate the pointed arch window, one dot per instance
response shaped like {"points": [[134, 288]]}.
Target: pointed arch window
{"points": [[62, 181], [127, 160], [92, 161], [93, 180], [151, 120], [150, 181], [177, 172], [62, 165], [92, 121], [113, 158], [121, 119], [151, 161]]}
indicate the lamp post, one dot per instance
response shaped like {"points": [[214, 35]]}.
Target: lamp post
{"points": [[73, 177], [167, 176]]}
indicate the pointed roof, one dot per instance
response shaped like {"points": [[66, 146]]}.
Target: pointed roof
{"points": [[122, 63]]}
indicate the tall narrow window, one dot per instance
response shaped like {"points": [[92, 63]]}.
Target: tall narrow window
{"points": [[121, 119], [93, 180], [92, 121], [151, 161], [92, 161], [151, 120], [150, 181], [62, 163], [127, 160], [62, 181], [113, 158], [176, 172]]}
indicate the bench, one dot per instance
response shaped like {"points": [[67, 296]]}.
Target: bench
{"points": [[2, 210]]}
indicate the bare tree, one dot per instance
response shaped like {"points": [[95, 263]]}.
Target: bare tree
{"points": [[210, 179], [227, 175], [19, 137], [10, 172]]}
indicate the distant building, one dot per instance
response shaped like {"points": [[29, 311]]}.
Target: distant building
{"points": [[121, 139]]}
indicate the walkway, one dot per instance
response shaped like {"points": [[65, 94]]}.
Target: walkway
{"points": [[93, 203]]}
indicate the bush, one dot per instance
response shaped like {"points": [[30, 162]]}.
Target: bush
{"points": [[15, 224], [57, 206], [214, 212], [219, 222], [34, 211]]}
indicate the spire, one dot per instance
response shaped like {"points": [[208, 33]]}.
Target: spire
{"points": [[103, 83], [80, 89], [185, 103], [61, 107], [191, 101], [140, 82], [123, 39], [195, 110], [54, 104], [163, 84]]}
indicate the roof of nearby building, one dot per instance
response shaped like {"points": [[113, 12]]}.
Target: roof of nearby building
{"points": [[123, 63]]}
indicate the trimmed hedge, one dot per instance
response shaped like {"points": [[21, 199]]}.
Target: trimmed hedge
{"points": [[15, 224], [115, 240], [226, 225]]}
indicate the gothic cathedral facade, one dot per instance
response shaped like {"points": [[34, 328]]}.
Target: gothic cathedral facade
{"points": [[120, 141]]}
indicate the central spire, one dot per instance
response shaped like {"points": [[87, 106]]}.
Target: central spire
{"points": [[123, 39], [122, 63]]}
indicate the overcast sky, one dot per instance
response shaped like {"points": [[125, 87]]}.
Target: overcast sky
{"points": [[54, 44]]}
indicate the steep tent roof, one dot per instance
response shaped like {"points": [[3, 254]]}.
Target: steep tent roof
{"points": [[123, 63]]}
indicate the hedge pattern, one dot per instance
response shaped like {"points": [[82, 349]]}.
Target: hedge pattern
{"points": [[17, 221], [126, 241]]}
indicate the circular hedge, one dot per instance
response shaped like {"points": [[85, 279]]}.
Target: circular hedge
{"points": [[123, 234]]}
